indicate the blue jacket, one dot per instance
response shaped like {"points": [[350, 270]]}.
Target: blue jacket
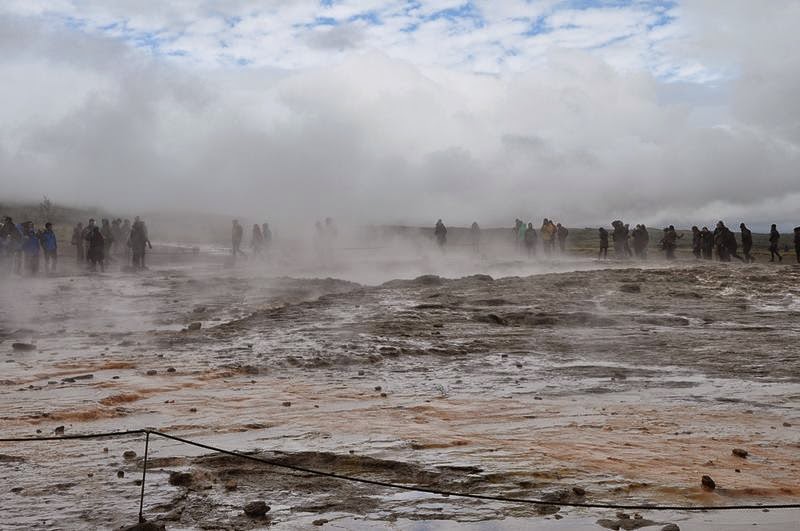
{"points": [[48, 239], [30, 243]]}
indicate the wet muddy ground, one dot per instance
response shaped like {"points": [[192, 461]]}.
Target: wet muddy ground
{"points": [[568, 381]]}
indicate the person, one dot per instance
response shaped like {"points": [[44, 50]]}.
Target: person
{"points": [[603, 243], [707, 243], [475, 237], [95, 252], [30, 248], [626, 240], [50, 247], [125, 234], [531, 239], [561, 233], [521, 230], [257, 240], [697, 243], [797, 243], [731, 244], [267, 235], [138, 242], [747, 243], [116, 233], [774, 240], [77, 241], [547, 233], [719, 242], [12, 234], [518, 224], [669, 242], [441, 233], [108, 239], [236, 238], [620, 237]]}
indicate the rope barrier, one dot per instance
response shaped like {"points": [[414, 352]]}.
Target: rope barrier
{"points": [[386, 484]]}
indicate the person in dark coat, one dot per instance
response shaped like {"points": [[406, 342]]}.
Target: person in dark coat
{"points": [[747, 243], [95, 252], [50, 247], [708, 243], [138, 242], [774, 240], [441, 233], [531, 239], [603, 243], [797, 243], [77, 241]]}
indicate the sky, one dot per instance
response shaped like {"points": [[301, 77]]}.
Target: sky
{"points": [[403, 111]]}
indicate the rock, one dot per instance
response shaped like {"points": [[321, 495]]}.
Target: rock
{"points": [[194, 326], [23, 346], [708, 483], [199, 309], [544, 510], [671, 527], [170, 369], [129, 454], [361, 373], [378, 387], [15, 490], [120, 473], [630, 288], [787, 425], [738, 452], [579, 491], [192, 410], [256, 509], [59, 430], [145, 526], [384, 395], [180, 479], [286, 404], [320, 522]]}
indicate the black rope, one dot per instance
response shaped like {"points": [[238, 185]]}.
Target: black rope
{"points": [[144, 476], [479, 496], [100, 435], [386, 484]]}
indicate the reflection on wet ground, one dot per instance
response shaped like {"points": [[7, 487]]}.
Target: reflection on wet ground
{"points": [[618, 384]]}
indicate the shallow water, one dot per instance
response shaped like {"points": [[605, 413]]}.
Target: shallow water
{"points": [[628, 382]]}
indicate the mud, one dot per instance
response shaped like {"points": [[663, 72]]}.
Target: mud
{"points": [[624, 384]]}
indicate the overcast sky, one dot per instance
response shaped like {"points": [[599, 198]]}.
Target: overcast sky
{"points": [[406, 111]]}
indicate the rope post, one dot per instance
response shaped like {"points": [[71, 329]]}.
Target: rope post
{"points": [[144, 475]]}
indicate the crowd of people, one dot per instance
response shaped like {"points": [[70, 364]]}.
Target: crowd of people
{"points": [[260, 239], [95, 246]]}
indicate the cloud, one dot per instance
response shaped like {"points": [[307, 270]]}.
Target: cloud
{"points": [[388, 129]]}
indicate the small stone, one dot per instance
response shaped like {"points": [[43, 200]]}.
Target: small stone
{"points": [[708, 483], [630, 288], [384, 395], [256, 509], [579, 491], [170, 369], [286, 404], [180, 479], [152, 372], [16, 490], [128, 454], [105, 450], [320, 522], [738, 452], [361, 373], [378, 388], [787, 425], [671, 527], [90, 474], [23, 346], [194, 326], [199, 309], [192, 410], [120, 473], [737, 470], [59, 430]]}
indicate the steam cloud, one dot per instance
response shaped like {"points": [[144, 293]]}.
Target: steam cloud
{"points": [[89, 119]]}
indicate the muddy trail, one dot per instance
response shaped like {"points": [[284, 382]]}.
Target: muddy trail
{"points": [[619, 384]]}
